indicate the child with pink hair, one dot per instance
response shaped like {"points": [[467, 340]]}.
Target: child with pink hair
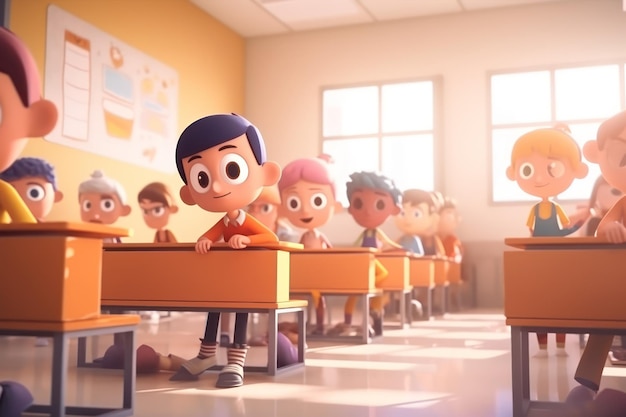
{"points": [[307, 191]]}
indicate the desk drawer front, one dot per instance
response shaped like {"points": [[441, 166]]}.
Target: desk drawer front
{"points": [[223, 276], [565, 284]]}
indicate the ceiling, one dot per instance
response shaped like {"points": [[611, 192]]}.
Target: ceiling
{"points": [[253, 18]]}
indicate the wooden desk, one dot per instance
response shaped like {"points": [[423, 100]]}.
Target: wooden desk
{"points": [[546, 281], [54, 270], [398, 281], [173, 277], [422, 278], [337, 271], [61, 332]]}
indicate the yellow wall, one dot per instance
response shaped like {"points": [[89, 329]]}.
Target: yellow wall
{"points": [[209, 59]]}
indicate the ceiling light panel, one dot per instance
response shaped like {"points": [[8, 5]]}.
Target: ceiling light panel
{"points": [[488, 4], [246, 17], [402, 9], [312, 14]]}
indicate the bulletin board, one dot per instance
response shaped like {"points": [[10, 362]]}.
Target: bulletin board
{"points": [[113, 99]]}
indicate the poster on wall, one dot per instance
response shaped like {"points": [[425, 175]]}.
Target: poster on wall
{"points": [[113, 100]]}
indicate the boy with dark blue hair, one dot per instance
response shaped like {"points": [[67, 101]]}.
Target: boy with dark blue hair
{"points": [[35, 181], [221, 159]]}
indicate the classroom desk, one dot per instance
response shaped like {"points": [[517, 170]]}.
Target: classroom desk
{"points": [[398, 281], [61, 333], [54, 270], [422, 277], [559, 285], [173, 277], [337, 272]]}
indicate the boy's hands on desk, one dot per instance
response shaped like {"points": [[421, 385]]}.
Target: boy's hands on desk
{"points": [[614, 232], [203, 245], [238, 241]]}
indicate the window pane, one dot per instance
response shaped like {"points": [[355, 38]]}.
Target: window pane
{"points": [[350, 111], [520, 98], [351, 155], [581, 189], [501, 147], [587, 93], [409, 161], [407, 107]]}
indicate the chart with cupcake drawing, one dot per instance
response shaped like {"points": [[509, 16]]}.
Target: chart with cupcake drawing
{"points": [[113, 99]]}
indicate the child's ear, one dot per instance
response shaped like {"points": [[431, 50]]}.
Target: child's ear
{"points": [[126, 210], [338, 207], [271, 171], [396, 210], [173, 209], [58, 196], [510, 173], [581, 171], [591, 151], [42, 116], [185, 195]]}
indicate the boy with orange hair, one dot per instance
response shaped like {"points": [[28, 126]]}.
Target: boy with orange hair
{"points": [[544, 163]]}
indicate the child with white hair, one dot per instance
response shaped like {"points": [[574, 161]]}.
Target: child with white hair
{"points": [[102, 200]]}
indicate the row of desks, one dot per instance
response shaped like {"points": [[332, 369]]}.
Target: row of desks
{"points": [[59, 272]]}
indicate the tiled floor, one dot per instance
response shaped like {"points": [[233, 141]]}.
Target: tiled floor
{"points": [[453, 366]]}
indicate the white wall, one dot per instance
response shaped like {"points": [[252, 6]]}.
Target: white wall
{"points": [[285, 74]]}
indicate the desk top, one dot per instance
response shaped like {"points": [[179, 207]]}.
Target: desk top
{"points": [[63, 228], [203, 305], [190, 247], [531, 243], [102, 321], [338, 250]]}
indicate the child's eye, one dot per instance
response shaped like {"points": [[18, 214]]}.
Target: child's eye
{"points": [[266, 208], [293, 203], [199, 178], [234, 168], [526, 170], [556, 169], [318, 201], [35, 192], [107, 205], [380, 205]]}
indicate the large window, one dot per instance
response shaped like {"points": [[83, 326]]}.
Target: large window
{"points": [[388, 128], [581, 97]]}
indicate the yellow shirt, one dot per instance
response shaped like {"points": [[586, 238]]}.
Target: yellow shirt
{"points": [[12, 207]]}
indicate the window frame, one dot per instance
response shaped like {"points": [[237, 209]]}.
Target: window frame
{"points": [[552, 69], [438, 145]]}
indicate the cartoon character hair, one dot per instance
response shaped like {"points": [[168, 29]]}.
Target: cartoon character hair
{"points": [[18, 63], [433, 199], [613, 127], [30, 167], [156, 192], [214, 130], [448, 202], [373, 181], [316, 170], [550, 142], [98, 183]]}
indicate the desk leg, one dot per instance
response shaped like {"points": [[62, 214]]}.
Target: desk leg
{"points": [[272, 327], [403, 319], [130, 365], [81, 360], [60, 352], [301, 317], [520, 371], [365, 308]]}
